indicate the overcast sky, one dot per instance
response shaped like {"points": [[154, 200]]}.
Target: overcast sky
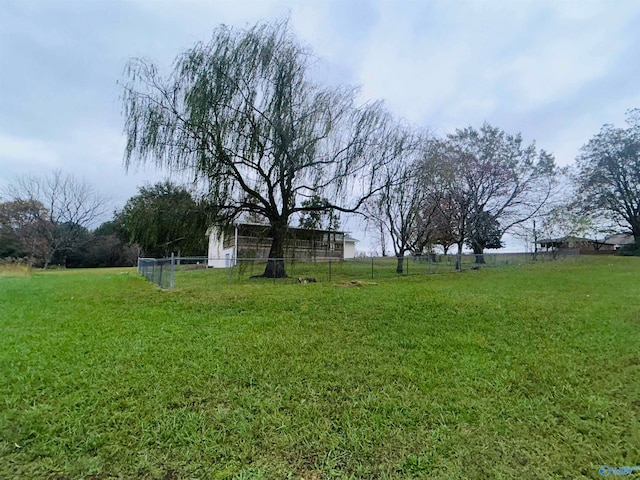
{"points": [[553, 70]]}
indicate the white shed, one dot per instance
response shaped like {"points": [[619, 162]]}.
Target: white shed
{"points": [[349, 246], [219, 256]]}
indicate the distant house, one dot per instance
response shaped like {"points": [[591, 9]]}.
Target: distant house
{"points": [[620, 240], [251, 240], [584, 246]]}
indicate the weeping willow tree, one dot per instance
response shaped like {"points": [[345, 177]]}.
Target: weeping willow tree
{"points": [[243, 115]]}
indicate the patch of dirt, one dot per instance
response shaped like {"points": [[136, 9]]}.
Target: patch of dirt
{"points": [[633, 361], [356, 283], [310, 475]]}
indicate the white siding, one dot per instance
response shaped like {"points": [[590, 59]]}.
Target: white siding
{"points": [[219, 257], [349, 249]]}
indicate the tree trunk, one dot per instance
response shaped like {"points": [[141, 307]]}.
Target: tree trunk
{"points": [[400, 264], [383, 241], [275, 263], [47, 260], [478, 251], [635, 231], [459, 257]]}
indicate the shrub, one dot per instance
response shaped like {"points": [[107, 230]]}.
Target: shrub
{"points": [[10, 267], [632, 250]]}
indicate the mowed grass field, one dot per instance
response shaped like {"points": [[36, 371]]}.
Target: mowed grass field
{"points": [[518, 372]]}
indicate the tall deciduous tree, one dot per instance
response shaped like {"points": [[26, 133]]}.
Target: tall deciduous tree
{"points": [[22, 227], [398, 209], [162, 218], [437, 219], [447, 196], [243, 115], [609, 174], [65, 206], [484, 232], [491, 182]]}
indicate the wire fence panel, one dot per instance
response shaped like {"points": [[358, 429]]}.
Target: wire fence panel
{"points": [[157, 270], [180, 271], [162, 271]]}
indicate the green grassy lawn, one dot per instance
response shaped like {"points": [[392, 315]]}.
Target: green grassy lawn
{"points": [[518, 372]]}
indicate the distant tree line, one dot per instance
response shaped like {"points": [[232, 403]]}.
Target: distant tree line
{"points": [[467, 189], [46, 221]]}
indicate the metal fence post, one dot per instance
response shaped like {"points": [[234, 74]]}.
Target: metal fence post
{"points": [[173, 271]]}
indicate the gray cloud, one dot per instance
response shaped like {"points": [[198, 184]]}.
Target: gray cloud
{"points": [[555, 70]]}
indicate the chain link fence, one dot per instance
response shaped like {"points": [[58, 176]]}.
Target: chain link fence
{"points": [[162, 271], [179, 271]]}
